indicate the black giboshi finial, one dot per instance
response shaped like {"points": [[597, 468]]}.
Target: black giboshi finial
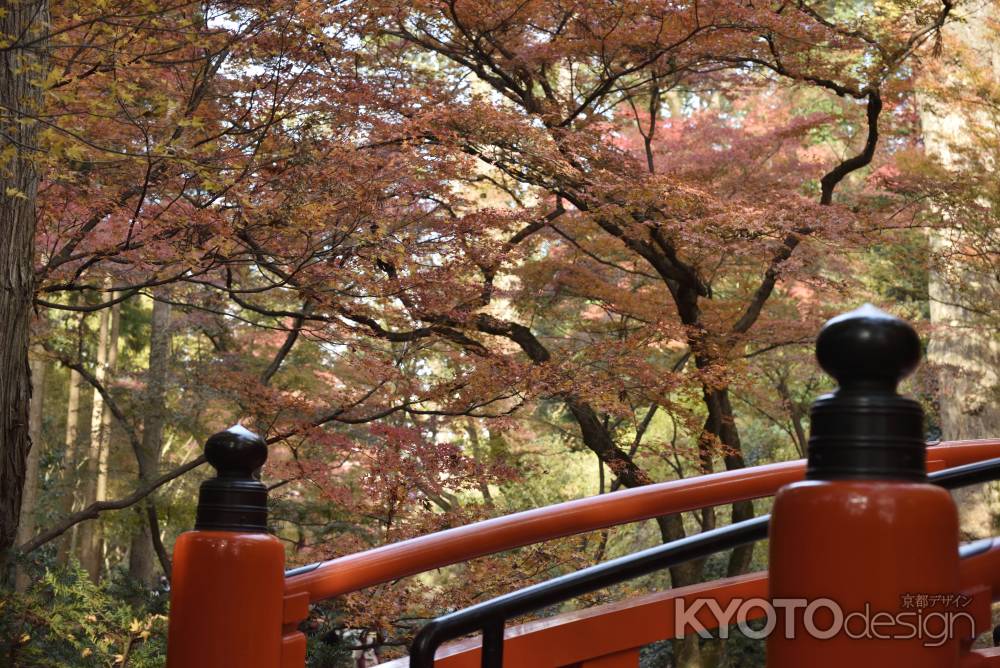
{"points": [[234, 500], [236, 452], [865, 429], [868, 345]]}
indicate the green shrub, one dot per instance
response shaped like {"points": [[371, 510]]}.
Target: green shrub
{"points": [[64, 619]]}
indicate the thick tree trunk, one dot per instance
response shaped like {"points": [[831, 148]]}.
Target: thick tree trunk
{"points": [[967, 361], [142, 555], [97, 536], [720, 437], [966, 355], [719, 430], [20, 98], [91, 534], [88, 559], [29, 499], [721, 423], [687, 650]]}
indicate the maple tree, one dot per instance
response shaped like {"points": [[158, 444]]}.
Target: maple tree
{"points": [[550, 102], [382, 225], [662, 244]]}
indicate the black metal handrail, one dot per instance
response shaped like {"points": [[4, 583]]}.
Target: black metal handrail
{"points": [[490, 616]]}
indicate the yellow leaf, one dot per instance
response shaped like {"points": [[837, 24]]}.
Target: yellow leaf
{"points": [[86, 652], [53, 77]]}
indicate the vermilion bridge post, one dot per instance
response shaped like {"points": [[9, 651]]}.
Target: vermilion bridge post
{"points": [[226, 602]]}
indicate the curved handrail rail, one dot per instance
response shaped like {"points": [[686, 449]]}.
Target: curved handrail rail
{"points": [[491, 616], [417, 555], [382, 564], [592, 633], [569, 638]]}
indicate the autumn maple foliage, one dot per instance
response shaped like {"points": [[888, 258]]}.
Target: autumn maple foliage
{"points": [[379, 223]]}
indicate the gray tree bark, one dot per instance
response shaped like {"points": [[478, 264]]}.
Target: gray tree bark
{"points": [[142, 555], [29, 499], [22, 66], [965, 354], [91, 534], [71, 467]]}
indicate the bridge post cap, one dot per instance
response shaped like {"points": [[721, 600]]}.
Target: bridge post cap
{"points": [[866, 346], [865, 429], [233, 500], [236, 452]]}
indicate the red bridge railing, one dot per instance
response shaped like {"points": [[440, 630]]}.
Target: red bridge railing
{"points": [[214, 623], [857, 520]]}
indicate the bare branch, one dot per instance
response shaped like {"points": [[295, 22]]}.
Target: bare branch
{"points": [[286, 347], [791, 242], [94, 510]]}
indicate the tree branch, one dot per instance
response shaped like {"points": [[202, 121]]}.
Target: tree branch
{"points": [[286, 347], [595, 435], [94, 510], [109, 401], [829, 182]]}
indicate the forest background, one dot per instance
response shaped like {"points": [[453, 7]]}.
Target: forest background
{"points": [[455, 259]]}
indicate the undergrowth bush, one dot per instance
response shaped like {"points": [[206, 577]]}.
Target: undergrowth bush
{"points": [[65, 620]]}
